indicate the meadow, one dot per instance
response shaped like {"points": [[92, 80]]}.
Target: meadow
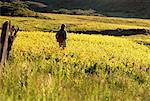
{"points": [[75, 23], [90, 68]]}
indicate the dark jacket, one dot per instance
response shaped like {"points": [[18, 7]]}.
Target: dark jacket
{"points": [[61, 35]]}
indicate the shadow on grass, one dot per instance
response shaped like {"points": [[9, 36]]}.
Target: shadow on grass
{"points": [[116, 32]]}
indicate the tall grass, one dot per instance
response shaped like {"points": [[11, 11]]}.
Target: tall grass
{"points": [[91, 68]]}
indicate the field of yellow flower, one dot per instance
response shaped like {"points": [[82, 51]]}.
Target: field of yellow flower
{"points": [[90, 68]]}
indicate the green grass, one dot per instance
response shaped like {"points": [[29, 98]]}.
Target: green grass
{"points": [[75, 23]]}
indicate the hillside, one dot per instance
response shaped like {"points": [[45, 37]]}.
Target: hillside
{"points": [[122, 8], [19, 9], [117, 8]]}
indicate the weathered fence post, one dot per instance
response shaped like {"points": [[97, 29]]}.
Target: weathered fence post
{"points": [[8, 35], [4, 43], [3, 47]]}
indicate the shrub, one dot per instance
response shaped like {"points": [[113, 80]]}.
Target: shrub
{"points": [[77, 12]]}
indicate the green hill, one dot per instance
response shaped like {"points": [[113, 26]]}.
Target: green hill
{"points": [[122, 8], [117, 8]]}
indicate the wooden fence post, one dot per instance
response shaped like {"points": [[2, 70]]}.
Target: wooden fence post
{"points": [[3, 47], [4, 43], [8, 35]]}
